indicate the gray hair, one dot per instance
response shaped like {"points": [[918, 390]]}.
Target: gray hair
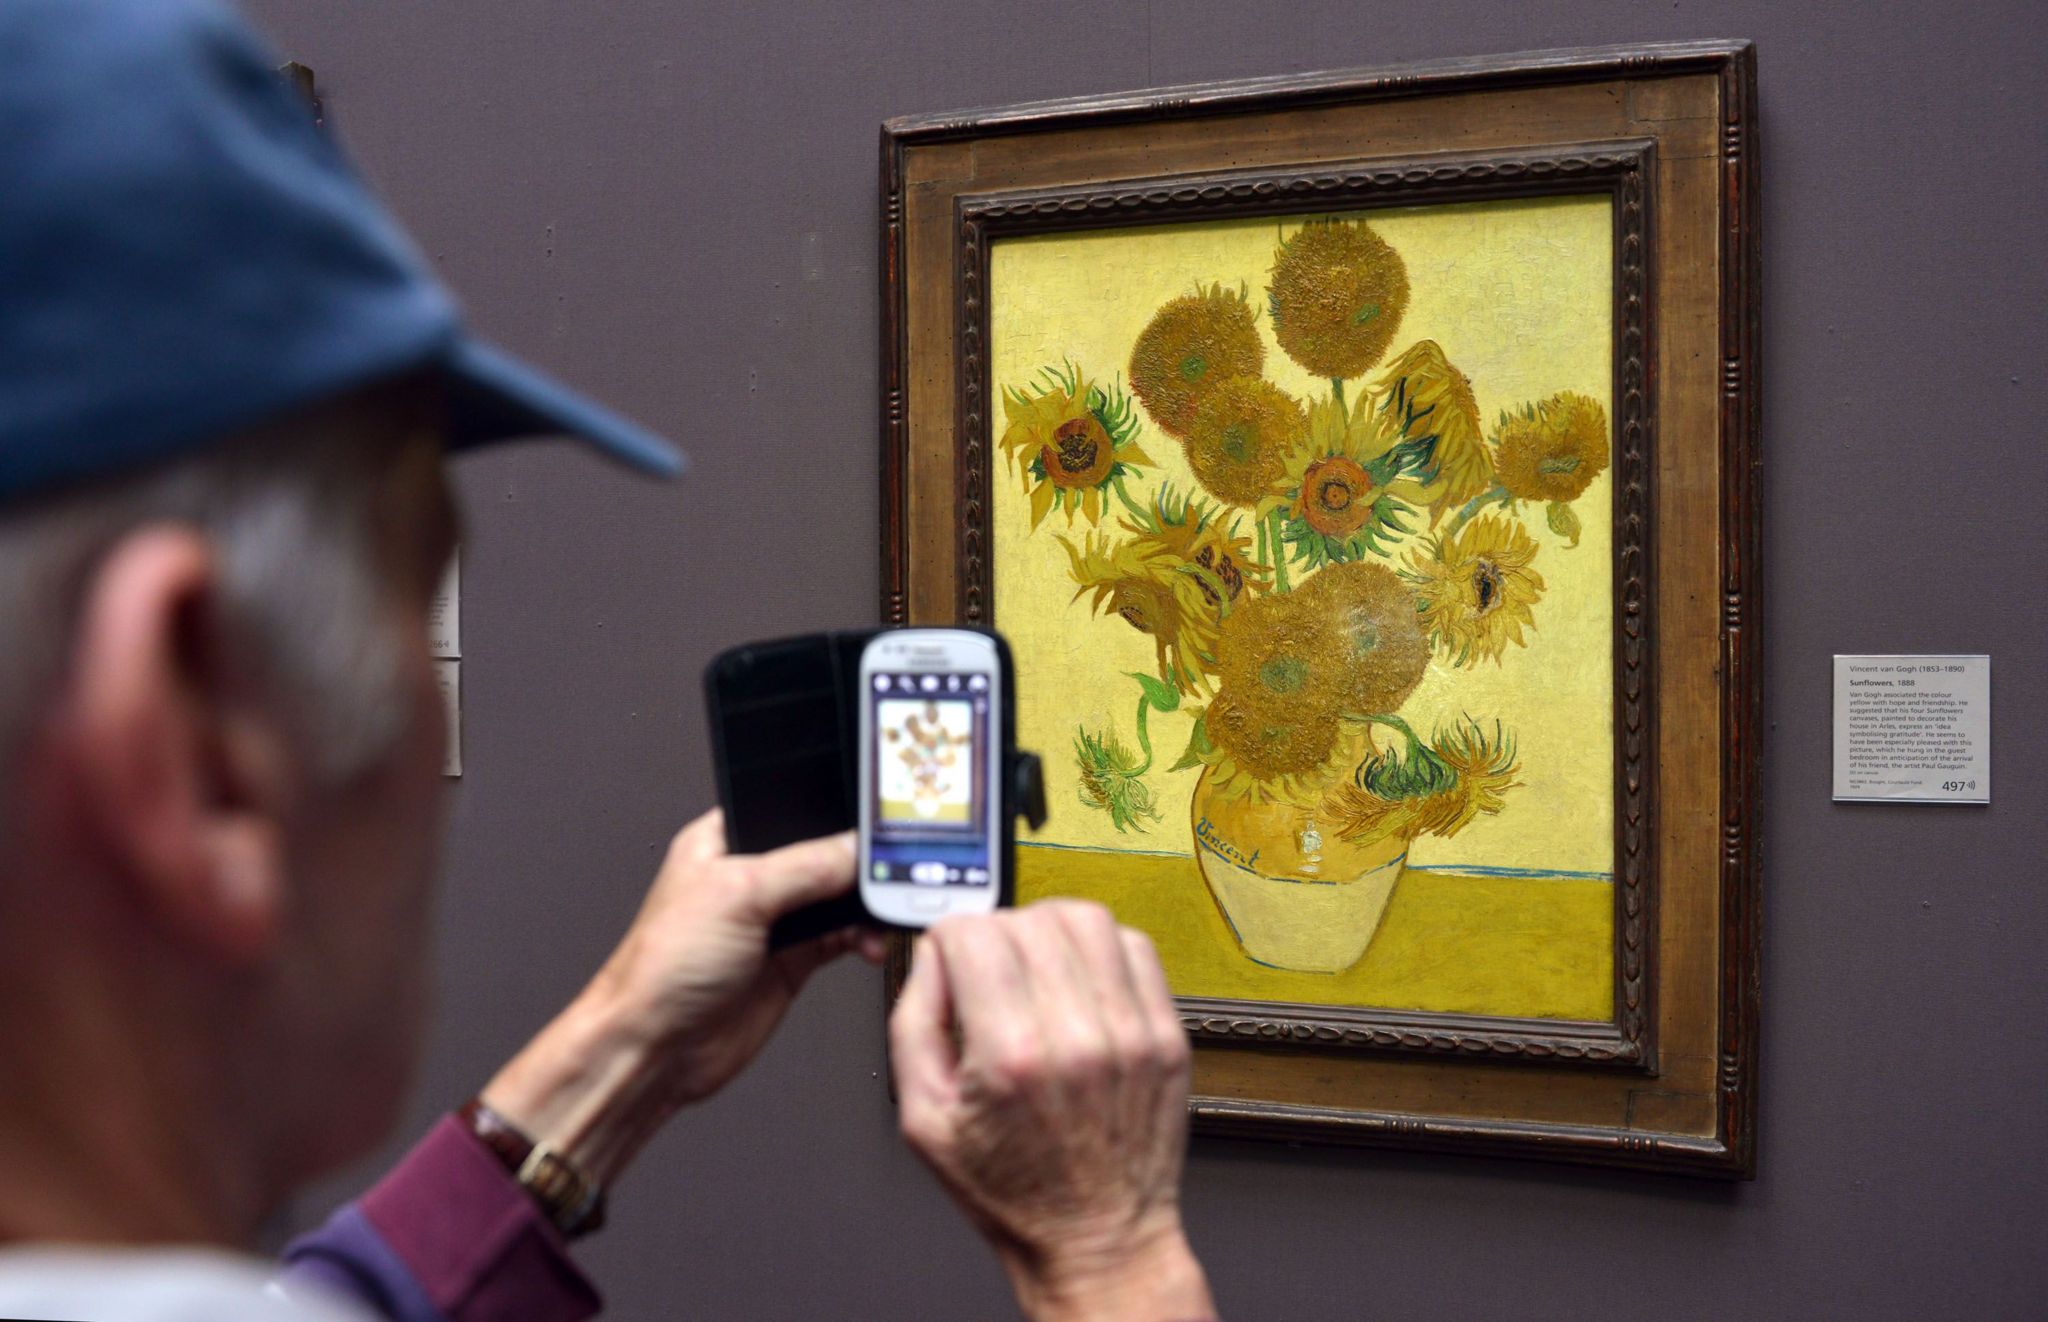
{"points": [[291, 512]]}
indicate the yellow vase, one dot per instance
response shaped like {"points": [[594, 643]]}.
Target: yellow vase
{"points": [[1295, 896]]}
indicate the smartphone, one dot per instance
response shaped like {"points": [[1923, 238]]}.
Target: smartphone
{"points": [[934, 828]]}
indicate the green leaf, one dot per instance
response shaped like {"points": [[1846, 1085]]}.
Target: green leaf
{"points": [[1162, 696], [1562, 520], [1198, 746]]}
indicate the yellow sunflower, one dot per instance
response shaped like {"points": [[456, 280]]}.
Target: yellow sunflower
{"points": [[1337, 294], [1342, 490], [1277, 714], [1552, 451], [1476, 588], [1239, 438], [1189, 345], [1386, 648], [1069, 440], [1422, 382], [1267, 749]]}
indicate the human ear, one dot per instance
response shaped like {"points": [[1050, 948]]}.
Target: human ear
{"points": [[184, 782]]}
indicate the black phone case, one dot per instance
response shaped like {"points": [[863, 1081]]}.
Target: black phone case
{"points": [[785, 744]]}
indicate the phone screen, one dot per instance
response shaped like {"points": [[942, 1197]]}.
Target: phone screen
{"points": [[928, 780]]}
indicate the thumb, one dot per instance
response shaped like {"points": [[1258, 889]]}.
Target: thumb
{"points": [[796, 875]]}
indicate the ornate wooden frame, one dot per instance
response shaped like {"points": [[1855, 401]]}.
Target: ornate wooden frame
{"points": [[1659, 129]]}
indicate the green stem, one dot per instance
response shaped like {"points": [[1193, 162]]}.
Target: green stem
{"points": [[1279, 554], [1144, 738], [1262, 542], [1337, 392], [1137, 513], [1497, 494], [1407, 731]]}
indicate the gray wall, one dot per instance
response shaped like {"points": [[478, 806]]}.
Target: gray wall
{"points": [[673, 204]]}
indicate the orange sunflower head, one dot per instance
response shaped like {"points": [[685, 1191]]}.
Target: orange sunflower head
{"points": [[1189, 345], [1337, 294], [1336, 496]]}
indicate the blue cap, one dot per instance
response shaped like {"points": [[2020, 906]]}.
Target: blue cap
{"points": [[184, 253]]}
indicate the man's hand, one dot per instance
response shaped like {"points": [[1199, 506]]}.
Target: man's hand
{"points": [[683, 1004], [1043, 1074]]}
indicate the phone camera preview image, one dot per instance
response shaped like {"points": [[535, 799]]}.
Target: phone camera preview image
{"points": [[931, 808]]}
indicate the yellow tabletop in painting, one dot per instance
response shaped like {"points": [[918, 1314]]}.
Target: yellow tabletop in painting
{"points": [[1540, 947]]}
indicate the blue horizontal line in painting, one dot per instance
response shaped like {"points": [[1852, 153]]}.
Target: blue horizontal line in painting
{"points": [[1461, 869]]}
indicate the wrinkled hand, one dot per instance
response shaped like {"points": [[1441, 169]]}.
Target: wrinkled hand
{"points": [[685, 1001], [1043, 1074]]}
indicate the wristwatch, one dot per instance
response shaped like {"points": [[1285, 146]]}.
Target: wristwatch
{"points": [[573, 1202]]}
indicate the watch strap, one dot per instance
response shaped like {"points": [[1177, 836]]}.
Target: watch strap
{"points": [[571, 1201]]}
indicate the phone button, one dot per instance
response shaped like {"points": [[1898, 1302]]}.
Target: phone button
{"points": [[928, 903]]}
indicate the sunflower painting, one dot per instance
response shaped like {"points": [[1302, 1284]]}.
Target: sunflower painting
{"points": [[1305, 556]]}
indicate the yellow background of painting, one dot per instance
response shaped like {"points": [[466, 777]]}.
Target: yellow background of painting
{"points": [[1519, 295]]}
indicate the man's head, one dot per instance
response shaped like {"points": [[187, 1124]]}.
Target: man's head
{"points": [[221, 769], [227, 381]]}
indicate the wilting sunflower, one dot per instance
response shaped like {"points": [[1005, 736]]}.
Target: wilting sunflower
{"points": [[1429, 791], [1239, 437], [1174, 579], [1337, 295], [1552, 450], [1423, 385], [1113, 780], [1189, 345], [1476, 588], [1386, 649], [1069, 440]]}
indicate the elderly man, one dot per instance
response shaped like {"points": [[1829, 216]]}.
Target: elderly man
{"points": [[226, 389]]}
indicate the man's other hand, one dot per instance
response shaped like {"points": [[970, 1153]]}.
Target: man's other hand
{"points": [[684, 1002], [1043, 1074]]}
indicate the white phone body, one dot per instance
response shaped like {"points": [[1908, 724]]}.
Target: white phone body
{"points": [[931, 771]]}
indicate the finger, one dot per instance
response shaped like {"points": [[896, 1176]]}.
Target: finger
{"points": [[1062, 983], [800, 874], [986, 982], [1155, 998], [921, 1050], [1097, 940], [872, 945]]}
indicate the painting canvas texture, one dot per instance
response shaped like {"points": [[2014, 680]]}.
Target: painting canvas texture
{"points": [[1302, 539]]}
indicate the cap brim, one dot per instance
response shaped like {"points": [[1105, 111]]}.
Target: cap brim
{"points": [[492, 396]]}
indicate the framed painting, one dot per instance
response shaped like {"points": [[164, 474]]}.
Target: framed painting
{"points": [[1362, 469]]}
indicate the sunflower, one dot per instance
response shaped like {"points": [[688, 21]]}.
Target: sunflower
{"points": [[1552, 451], [1070, 441], [1431, 791], [1387, 650], [1475, 588], [1239, 437], [1275, 719], [1343, 491], [1112, 780], [1337, 295], [1190, 344], [1267, 749], [1422, 382], [1174, 580]]}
